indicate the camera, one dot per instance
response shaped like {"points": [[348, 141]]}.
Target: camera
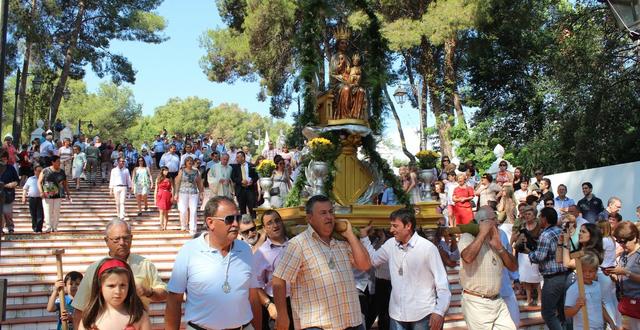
{"points": [[530, 243]]}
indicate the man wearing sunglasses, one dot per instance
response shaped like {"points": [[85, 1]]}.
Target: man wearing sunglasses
{"points": [[249, 232], [216, 270], [149, 285]]}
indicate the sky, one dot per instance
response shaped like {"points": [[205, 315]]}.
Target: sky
{"points": [[171, 69]]}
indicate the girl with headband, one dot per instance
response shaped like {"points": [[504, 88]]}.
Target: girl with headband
{"points": [[114, 303]]}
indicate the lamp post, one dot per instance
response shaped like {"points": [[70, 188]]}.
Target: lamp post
{"points": [[80, 122], [19, 108], [400, 94]]}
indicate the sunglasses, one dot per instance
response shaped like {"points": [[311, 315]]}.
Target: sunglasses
{"points": [[250, 230], [229, 219], [623, 241]]}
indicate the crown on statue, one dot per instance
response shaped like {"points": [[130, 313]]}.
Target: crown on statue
{"points": [[342, 33]]}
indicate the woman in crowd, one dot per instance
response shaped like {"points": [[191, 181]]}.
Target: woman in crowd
{"points": [[164, 196], [507, 205], [608, 244], [522, 193], [414, 187], [117, 153], [79, 164], [444, 163], [503, 176], [462, 197], [281, 183], [525, 237], [66, 156], [517, 178], [189, 190], [627, 273], [589, 238], [142, 184], [449, 186]]}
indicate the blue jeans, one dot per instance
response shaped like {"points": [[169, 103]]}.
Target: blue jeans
{"points": [[417, 325], [552, 308]]}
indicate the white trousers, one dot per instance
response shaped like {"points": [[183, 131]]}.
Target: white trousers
{"points": [[486, 314], [120, 195], [51, 208], [188, 207], [513, 307]]}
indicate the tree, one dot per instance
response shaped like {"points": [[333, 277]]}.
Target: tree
{"points": [[78, 34]]}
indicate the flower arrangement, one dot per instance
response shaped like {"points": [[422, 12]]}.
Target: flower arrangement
{"points": [[427, 159], [320, 148], [266, 168]]}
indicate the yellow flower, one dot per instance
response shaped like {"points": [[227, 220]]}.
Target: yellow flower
{"points": [[266, 167]]}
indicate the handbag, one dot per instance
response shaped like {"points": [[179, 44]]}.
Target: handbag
{"points": [[629, 307], [274, 191]]}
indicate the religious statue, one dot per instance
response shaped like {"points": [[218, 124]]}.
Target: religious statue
{"points": [[345, 73], [66, 133], [37, 133], [498, 151]]}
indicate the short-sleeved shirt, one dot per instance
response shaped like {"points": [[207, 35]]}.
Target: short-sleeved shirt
{"points": [[92, 152], [593, 298], [67, 305], [201, 271], [323, 289], [9, 175], [52, 182], [591, 208], [266, 259], [31, 186], [630, 262], [484, 275], [144, 271]]}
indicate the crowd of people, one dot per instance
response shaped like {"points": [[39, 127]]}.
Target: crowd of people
{"points": [[508, 234], [189, 170]]}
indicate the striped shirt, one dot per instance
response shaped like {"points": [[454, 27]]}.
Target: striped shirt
{"points": [[323, 289]]}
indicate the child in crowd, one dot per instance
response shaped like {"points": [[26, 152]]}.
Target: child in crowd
{"points": [[70, 286], [114, 303], [573, 303]]}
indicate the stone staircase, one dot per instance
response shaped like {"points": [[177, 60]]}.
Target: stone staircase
{"points": [[28, 265]]}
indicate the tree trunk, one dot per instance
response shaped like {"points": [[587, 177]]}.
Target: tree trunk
{"points": [[403, 143], [419, 101], [68, 58], [22, 90], [430, 75], [451, 81]]}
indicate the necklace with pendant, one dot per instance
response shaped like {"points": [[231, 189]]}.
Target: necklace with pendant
{"points": [[401, 267], [226, 288], [331, 263]]}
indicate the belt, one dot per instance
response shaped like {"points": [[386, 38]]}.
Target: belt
{"points": [[197, 327], [555, 274], [481, 295]]}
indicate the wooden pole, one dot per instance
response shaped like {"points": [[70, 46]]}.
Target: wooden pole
{"points": [[58, 253], [577, 256]]}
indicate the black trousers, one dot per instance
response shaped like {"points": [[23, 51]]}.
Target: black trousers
{"points": [[37, 213], [157, 156], [367, 308], [246, 200], [381, 303]]}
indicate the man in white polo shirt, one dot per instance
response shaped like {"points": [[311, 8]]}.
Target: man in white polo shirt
{"points": [[119, 184], [216, 271]]}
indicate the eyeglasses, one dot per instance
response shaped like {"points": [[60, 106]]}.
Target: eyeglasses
{"points": [[503, 165], [246, 232], [229, 219], [126, 239], [273, 223]]}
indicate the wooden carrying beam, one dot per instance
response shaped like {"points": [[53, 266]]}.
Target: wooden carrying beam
{"points": [[577, 255]]}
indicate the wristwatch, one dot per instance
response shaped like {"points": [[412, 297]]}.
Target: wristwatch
{"points": [[267, 303]]}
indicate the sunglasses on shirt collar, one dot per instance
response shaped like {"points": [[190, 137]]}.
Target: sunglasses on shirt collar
{"points": [[229, 219]]}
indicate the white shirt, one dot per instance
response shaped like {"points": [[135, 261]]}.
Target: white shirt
{"points": [[171, 161], [31, 186], [202, 271], [120, 177], [423, 287], [609, 247]]}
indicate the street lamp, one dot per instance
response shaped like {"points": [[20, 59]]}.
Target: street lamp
{"points": [[80, 122], [400, 94], [627, 13]]}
